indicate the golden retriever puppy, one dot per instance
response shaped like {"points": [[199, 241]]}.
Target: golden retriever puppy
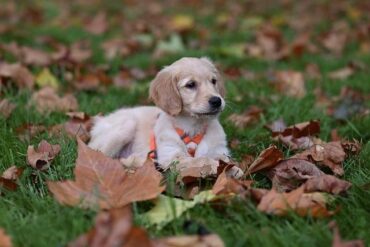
{"points": [[189, 95]]}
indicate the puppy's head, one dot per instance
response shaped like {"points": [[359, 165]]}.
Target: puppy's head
{"points": [[191, 86]]}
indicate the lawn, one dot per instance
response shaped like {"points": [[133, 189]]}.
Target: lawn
{"points": [[150, 36]]}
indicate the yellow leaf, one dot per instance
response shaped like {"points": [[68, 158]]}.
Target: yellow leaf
{"points": [[46, 78], [182, 22]]}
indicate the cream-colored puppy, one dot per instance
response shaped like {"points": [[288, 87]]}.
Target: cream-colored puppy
{"points": [[189, 96]]}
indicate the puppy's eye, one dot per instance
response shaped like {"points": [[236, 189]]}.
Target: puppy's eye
{"points": [[214, 81], [191, 85]]}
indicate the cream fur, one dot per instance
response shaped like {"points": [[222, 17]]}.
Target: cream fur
{"points": [[126, 132]]}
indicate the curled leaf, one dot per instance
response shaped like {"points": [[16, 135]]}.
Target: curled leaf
{"points": [[41, 157]]}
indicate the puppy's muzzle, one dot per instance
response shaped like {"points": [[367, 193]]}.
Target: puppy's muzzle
{"points": [[215, 102]]}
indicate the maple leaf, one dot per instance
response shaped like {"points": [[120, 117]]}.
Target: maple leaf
{"points": [[6, 108], [291, 173], [41, 157], [327, 183], [251, 115], [329, 154], [290, 83], [268, 158], [337, 240], [102, 181], [47, 100], [22, 77], [5, 240], [297, 136], [313, 204]]}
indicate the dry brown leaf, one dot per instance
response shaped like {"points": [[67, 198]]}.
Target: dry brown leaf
{"points": [[291, 173], [27, 131], [251, 115], [79, 125], [36, 57], [329, 154], [290, 83], [225, 185], [41, 157], [342, 74], [337, 240], [351, 147], [298, 136], [303, 204], [22, 77], [5, 240], [102, 181], [79, 52], [191, 174], [97, 25], [6, 108], [47, 100], [268, 158], [210, 240], [87, 82], [326, 183], [12, 173]]}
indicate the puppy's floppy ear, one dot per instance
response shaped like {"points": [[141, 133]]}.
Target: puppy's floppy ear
{"points": [[220, 81], [164, 92]]}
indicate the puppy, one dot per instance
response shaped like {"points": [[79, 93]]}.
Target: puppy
{"points": [[189, 95]]}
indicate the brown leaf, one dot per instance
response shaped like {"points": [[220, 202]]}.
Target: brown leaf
{"points": [[337, 240], [22, 77], [12, 173], [27, 131], [79, 125], [102, 181], [112, 228], [225, 185], [251, 115], [5, 240], [41, 157], [87, 82], [297, 136], [97, 25], [47, 100], [342, 74], [351, 147], [36, 57], [6, 108], [329, 154], [326, 183], [79, 52], [192, 174], [210, 240], [303, 204], [290, 83], [291, 173], [268, 158]]}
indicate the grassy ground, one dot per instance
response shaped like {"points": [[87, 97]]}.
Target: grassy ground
{"points": [[33, 218]]}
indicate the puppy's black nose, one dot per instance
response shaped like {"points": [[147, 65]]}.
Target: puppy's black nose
{"points": [[215, 102]]}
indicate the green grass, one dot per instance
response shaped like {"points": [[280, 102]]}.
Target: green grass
{"points": [[33, 218]]}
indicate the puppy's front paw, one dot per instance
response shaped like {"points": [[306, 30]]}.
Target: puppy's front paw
{"points": [[235, 172]]}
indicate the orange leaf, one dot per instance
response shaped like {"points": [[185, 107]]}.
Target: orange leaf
{"points": [[102, 181]]}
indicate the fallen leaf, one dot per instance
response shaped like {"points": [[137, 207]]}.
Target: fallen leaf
{"points": [[167, 208], [291, 173], [79, 125], [191, 174], [268, 158], [303, 204], [112, 228], [5, 240], [22, 77], [297, 136], [79, 52], [46, 79], [342, 74], [351, 147], [337, 240], [102, 181], [6, 108], [182, 23], [209, 240], [27, 131], [326, 183], [41, 157], [251, 115], [12, 173], [226, 185], [290, 83], [98, 24], [47, 100], [329, 154], [36, 57]]}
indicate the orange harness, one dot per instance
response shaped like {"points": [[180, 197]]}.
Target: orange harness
{"points": [[190, 142]]}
